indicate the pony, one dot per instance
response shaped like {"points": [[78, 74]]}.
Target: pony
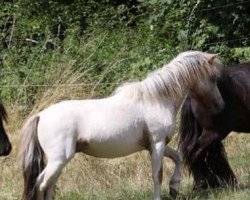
{"points": [[138, 116], [202, 131], [5, 145]]}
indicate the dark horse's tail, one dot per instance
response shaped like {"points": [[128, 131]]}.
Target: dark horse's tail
{"points": [[32, 158], [211, 168], [5, 145]]}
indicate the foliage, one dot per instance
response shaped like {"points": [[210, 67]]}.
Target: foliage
{"points": [[111, 41]]}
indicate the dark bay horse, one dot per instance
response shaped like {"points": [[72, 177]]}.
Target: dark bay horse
{"points": [[201, 131], [5, 145]]}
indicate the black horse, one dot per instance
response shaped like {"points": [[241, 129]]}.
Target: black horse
{"points": [[202, 132], [5, 145]]}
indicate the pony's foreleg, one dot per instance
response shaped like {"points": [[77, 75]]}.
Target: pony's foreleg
{"points": [[157, 153], [176, 177]]}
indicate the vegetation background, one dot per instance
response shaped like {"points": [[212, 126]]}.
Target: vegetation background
{"points": [[65, 49]]}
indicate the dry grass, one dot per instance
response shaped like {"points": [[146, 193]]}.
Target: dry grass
{"points": [[86, 177]]}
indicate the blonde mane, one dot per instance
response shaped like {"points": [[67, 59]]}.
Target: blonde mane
{"points": [[172, 79]]}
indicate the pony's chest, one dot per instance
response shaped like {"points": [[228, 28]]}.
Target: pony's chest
{"points": [[162, 117]]}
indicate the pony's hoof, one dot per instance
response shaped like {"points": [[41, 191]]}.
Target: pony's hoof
{"points": [[173, 193]]}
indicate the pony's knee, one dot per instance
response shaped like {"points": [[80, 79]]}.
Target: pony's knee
{"points": [[174, 155]]}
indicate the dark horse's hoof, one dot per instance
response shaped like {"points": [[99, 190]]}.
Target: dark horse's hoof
{"points": [[173, 193], [201, 185]]}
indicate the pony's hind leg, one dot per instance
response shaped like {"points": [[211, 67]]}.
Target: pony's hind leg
{"points": [[56, 161], [157, 154], [176, 177], [48, 178], [50, 191]]}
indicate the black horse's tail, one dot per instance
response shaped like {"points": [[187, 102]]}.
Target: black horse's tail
{"points": [[189, 133], [5, 145], [211, 168]]}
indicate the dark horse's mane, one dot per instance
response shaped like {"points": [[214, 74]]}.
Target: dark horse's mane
{"points": [[211, 168]]}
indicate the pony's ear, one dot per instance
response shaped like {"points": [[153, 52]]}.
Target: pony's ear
{"points": [[211, 57]]}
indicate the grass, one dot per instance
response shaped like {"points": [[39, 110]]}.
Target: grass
{"points": [[128, 178]]}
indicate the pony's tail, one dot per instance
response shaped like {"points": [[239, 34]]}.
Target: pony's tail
{"points": [[32, 157], [5, 145]]}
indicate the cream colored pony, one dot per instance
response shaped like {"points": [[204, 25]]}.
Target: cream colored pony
{"points": [[138, 116]]}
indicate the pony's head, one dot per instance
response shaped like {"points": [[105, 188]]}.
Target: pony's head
{"points": [[205, 90], [202, 64]]}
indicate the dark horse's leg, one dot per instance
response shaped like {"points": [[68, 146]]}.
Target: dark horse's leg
{"points": [[5, 145], [203, 177], [217, 161], [212, 168], [210, 165], [207, 137]]}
